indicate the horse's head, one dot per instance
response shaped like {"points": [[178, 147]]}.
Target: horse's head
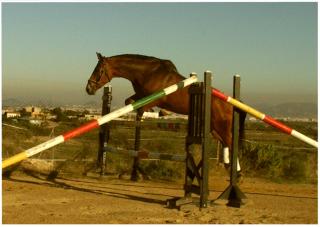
{"points": [[99, 76]]}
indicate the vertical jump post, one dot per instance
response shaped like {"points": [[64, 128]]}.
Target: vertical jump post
{"points": [[104, 132], [233, 193], [136, 160], [198, 134]]}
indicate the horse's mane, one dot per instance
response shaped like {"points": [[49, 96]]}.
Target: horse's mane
{"points": [[138, 57], [166, 63]]}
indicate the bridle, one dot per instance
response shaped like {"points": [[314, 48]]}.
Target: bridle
{"points": [[96, 82]]}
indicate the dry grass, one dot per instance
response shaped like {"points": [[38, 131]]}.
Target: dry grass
{"points": [[267, 153]]}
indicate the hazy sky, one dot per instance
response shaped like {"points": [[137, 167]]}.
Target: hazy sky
{"points": [[48, 49]]}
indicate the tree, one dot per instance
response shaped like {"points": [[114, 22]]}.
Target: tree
{"points": [[85, 112], [59, 113], [24, 113]]}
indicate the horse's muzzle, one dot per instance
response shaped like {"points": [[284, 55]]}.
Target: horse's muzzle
{"points": [[90, 89]]}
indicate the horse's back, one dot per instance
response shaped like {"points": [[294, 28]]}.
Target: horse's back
{"points": [[169, 66]]}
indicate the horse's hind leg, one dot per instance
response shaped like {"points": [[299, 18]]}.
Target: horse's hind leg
{"points": [[226, 156], [226, 159], [226, 144]]}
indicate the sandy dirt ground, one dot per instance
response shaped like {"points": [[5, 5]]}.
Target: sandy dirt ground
{"points": [[26, 199]]}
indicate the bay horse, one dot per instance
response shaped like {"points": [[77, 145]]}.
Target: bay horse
{"points": [[150, 74]]}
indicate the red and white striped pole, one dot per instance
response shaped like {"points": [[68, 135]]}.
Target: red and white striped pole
{"points": [[265, 118]]}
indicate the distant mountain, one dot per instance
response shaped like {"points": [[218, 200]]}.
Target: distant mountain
{"points": [[92, 104], [12, 102], [291, 109], [288, 109]]}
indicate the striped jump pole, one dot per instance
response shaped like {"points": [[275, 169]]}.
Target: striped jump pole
{"points": [[96, 123], [265, 118]]}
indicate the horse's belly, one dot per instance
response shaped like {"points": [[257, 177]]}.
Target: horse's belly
{"points": [[177, 109], [176, 104]]}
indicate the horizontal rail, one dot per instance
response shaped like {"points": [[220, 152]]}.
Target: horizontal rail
{"points": [[146, 154]]}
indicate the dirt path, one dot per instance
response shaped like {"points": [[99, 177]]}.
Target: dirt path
{"points": [[26, 199]]}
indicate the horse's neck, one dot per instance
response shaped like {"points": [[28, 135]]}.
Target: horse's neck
{"points": [[127, 68]]}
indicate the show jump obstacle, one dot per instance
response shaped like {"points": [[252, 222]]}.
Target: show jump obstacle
{"points": [[96, 123]]}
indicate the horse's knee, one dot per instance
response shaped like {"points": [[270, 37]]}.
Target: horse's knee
{"points": [[128, 101]]}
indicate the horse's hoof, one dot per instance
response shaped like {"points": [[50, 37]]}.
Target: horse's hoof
{"points": [[239, 177]]}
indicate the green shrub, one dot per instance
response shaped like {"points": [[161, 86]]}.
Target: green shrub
{"points": [[294, 166], [160, 169], [269, 162]]}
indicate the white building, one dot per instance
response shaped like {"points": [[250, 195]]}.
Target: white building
{"points": [[150, 115], [12, 114], [33, 109], [91, 116], [35, 122]]}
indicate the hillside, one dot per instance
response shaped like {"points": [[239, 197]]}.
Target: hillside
{"points": [[290, 109]]}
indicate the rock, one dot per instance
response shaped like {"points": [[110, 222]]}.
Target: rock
{"points": [[38, 166]]}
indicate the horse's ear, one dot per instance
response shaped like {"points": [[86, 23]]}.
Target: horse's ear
{"points": [[99, 56]]}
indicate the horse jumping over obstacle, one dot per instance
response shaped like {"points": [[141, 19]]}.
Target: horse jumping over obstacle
{"points": [[149, 74]]}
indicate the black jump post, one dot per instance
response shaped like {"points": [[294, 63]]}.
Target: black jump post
{"points": [[104, 132], [198, 134], [135, 166], [233, 193]]}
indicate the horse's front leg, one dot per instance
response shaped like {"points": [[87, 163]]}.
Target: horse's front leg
{"points": [[131, 99], [145, 108]]}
